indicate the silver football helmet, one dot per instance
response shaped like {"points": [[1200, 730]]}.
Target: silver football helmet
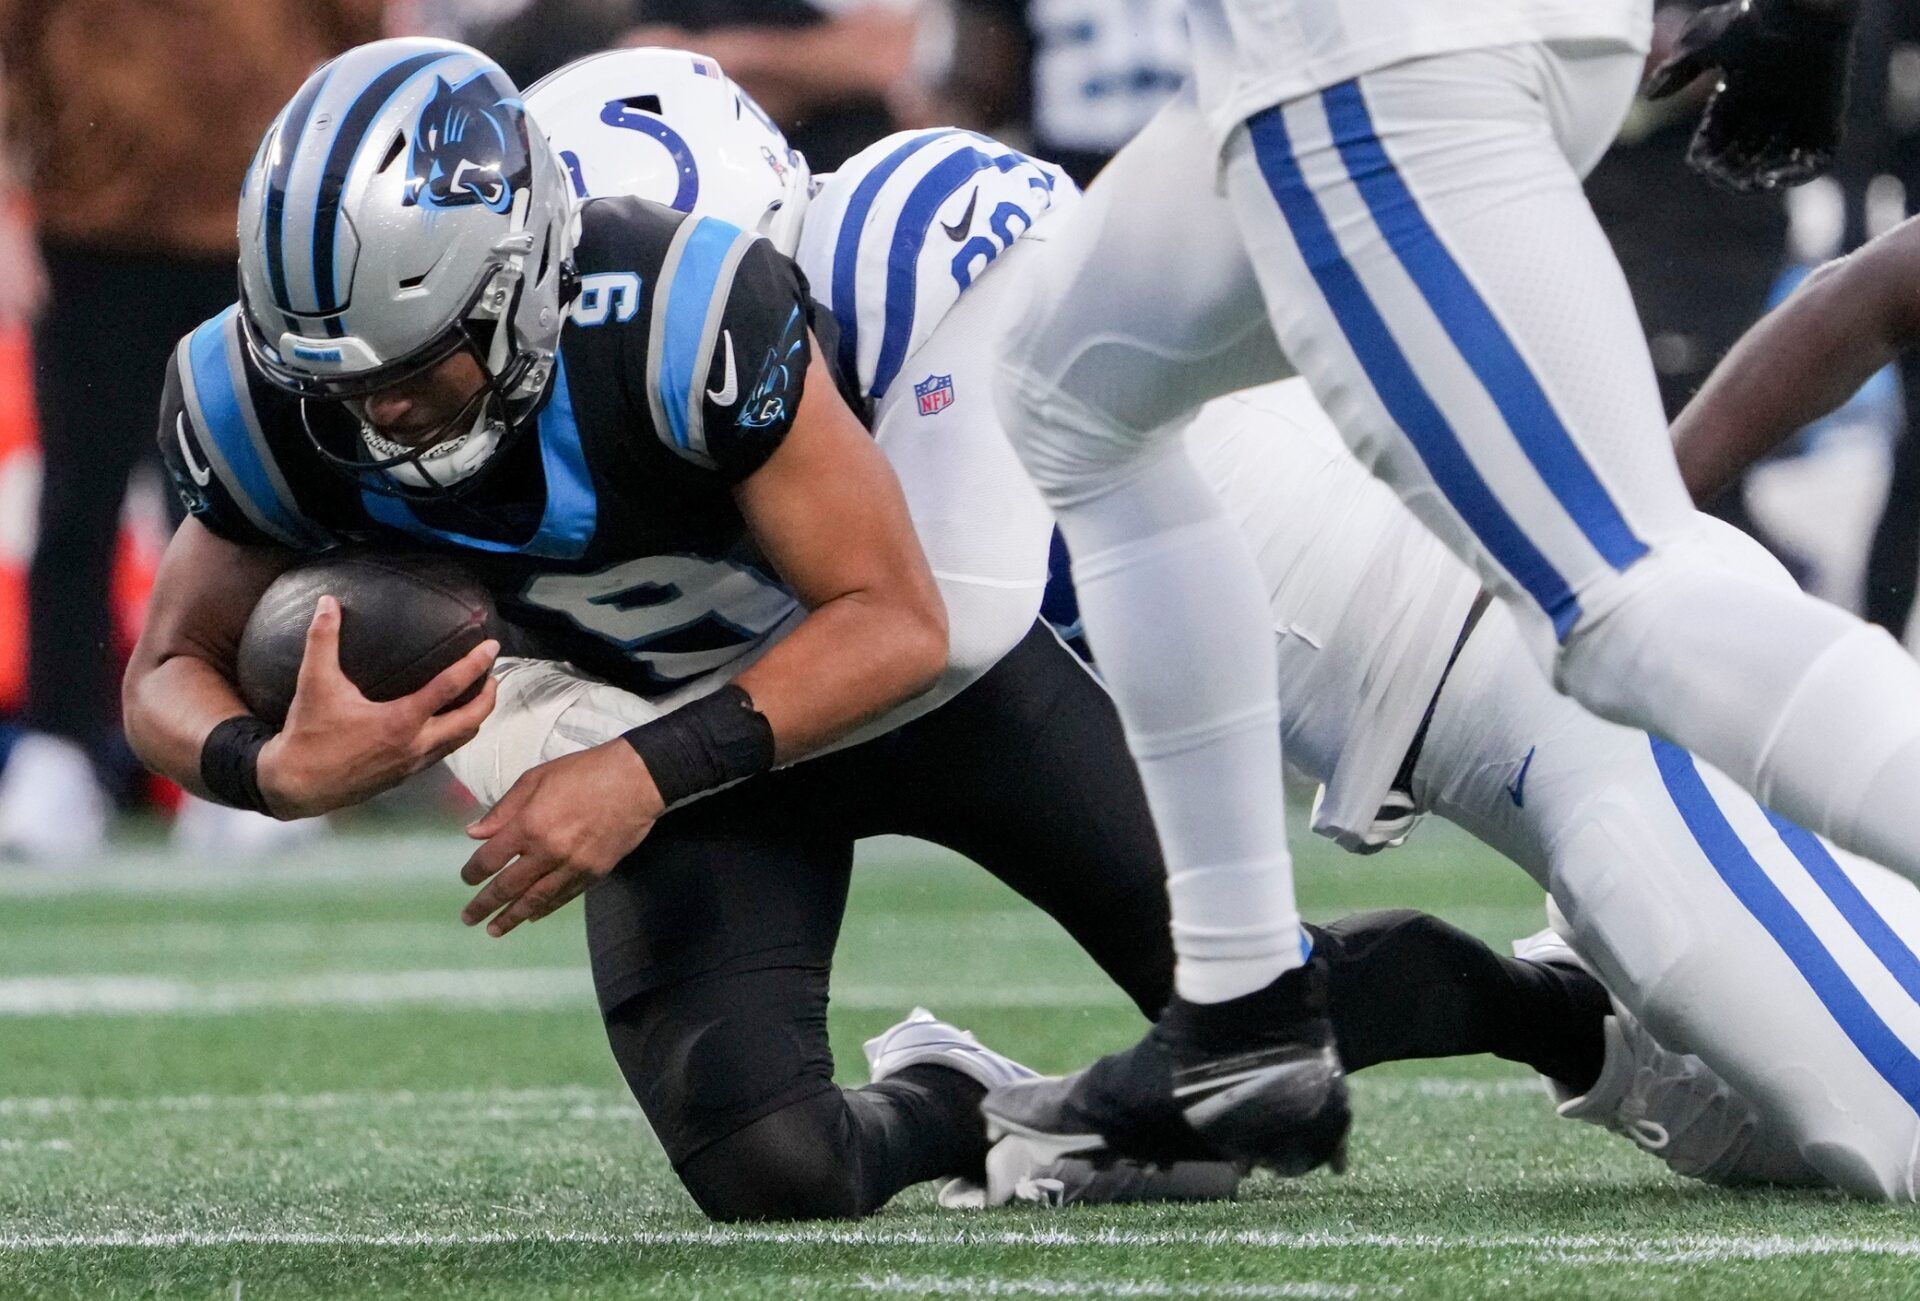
{"points": [[671, 126], [400, 209]]}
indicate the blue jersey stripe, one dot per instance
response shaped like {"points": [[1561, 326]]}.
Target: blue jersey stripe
{"points": [[846, 247], [333, 177], [696, 278], [1730, 857], [903, 255], [571, 513], [1867, 923], [276, 187], [1393, 378], [1476, 332], [220, 392]]}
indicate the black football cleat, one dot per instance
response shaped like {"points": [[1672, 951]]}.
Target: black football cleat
{"points": [[1255, 1080]]}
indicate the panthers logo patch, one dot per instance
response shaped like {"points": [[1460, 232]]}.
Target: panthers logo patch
{"points": [[469, 146], [766, 402]]}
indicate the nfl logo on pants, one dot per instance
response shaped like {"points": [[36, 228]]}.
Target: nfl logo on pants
{"points": [[935, 393]]}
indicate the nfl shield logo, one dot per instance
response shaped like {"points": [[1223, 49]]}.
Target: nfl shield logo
{"points": [[935, 393]]}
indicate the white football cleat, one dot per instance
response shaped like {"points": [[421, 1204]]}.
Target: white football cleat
{"points": [[1017, 1169], [922, 1039], [52, 807], [204, 829], [1671, 1104]]}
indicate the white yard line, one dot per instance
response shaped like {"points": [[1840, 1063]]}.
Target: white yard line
{"points": [[348, 860], [482, 988], [951, 1285], [1685, 1249]]}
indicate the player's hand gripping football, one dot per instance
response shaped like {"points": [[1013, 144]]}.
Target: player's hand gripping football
{"points": [[1775, 116], [561, 827], [338, 748]]}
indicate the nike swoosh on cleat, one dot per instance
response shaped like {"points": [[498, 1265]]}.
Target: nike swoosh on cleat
{"points": [[958, 230], [202, 475], [1224, 1094], [1516, 789], [729, 390]]}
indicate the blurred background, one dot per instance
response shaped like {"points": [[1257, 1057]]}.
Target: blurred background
{"points": [[128, 123]]}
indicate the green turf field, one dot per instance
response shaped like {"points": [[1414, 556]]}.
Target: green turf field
{"points": [[307, 1080]]}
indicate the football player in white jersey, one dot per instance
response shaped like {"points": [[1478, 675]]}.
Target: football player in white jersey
{"points": [[1384, 195], [1370, 610]]}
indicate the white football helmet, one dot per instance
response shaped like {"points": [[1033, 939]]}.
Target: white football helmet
{"points": [[399, 209], [670, 126]]}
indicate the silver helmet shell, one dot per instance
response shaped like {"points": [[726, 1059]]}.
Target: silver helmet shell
{"points": [[400, 208], [671, 126]]}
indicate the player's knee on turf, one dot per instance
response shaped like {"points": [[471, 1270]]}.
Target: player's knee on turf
{"points": [[795, 1164]]}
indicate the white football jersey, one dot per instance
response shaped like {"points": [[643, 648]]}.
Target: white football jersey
{"points": [[1252, 54], [893, 238]]}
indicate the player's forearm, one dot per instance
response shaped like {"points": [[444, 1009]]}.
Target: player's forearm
{"points": [[169, 706], [850, 660], [1801, 362]]}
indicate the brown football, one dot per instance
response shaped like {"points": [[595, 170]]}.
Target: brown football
{"points": [[404, 618]]}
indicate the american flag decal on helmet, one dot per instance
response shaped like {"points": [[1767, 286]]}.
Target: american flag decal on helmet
{"points": [[935, 393]]}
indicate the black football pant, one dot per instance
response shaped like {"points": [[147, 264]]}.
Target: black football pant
{"points": [[100, 353], [712, 945]]}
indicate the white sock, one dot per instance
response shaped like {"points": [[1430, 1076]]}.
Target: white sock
{"points": [[1179, 623], [1814, 712]]}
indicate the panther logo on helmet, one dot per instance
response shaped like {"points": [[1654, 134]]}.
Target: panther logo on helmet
{"points": [[469, 146]]}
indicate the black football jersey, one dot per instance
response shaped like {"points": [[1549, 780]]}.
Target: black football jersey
{"points": [[609, 530]]}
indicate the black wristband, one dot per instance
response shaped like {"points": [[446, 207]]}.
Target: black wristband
{"points": [[716, 740], [230, 761]]}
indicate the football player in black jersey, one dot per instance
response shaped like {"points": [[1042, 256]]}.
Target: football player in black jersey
{"points": [[613, 414]]}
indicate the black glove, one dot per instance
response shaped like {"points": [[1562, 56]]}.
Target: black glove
{"points": [[1775, 117]]}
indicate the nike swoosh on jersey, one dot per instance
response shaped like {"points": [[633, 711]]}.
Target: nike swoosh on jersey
{"points": [[1516, 790], [202, 475], [958, 230], [729, 389]]}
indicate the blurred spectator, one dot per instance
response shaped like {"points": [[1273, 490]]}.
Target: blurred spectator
{"points": [[129, 126], [1084, 75], [832, 73]]}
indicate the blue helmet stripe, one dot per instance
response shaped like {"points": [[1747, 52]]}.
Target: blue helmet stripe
{"points": [[276, 193], [333, 177]]}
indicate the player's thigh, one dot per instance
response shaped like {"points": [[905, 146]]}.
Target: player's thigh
{"points": [[1141, 305], [711, 949], [1433, 268]]}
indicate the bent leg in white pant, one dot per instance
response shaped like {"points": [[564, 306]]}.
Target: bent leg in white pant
{"points": [[1433, 269], [1787, 967]]}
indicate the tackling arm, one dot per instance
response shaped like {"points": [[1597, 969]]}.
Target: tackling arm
{"points": [[828, 513], [1803, 360]]}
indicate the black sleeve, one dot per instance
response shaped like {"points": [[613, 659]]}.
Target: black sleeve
{"points": [[191, 471], [759, 362]]}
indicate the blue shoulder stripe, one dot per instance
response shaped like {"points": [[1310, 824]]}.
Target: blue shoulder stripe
{"points": [[909, 237], [217, 396], [696, 272], [846, 247]]}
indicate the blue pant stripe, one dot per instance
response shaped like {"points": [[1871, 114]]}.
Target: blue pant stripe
{"points": [[1393, 378], [1867, 923], [1731, 858], [1475, 331]]}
